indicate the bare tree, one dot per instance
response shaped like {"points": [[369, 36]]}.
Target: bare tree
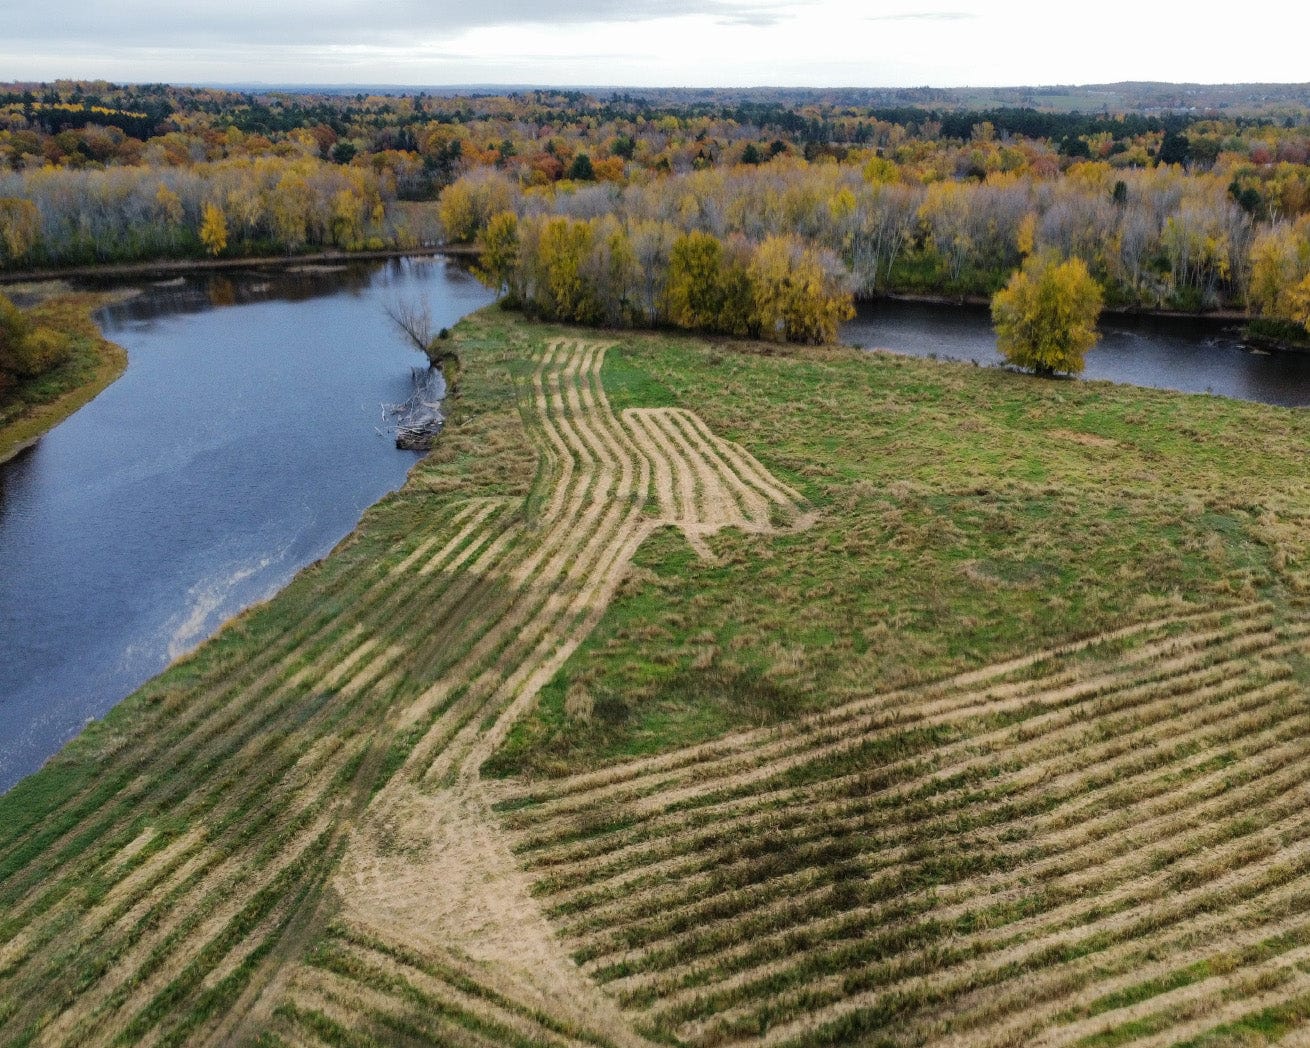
{"points": [[413, 319]]}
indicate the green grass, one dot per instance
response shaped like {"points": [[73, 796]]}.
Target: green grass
{"points": [[965, 515]]}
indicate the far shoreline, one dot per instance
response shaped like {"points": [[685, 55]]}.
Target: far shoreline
{"points": [[201, 265]]}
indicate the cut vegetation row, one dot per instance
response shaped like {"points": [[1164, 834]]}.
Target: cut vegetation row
{"points": [[993, 854]]}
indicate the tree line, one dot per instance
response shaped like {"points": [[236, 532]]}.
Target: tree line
{"points": [[603, 271], [1153, 238], [1177, 212]]}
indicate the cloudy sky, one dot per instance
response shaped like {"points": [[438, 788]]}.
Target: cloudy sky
{"points": [[653, 42]]}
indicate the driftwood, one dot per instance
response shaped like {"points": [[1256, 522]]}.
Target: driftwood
{"points": [[418, 420]]}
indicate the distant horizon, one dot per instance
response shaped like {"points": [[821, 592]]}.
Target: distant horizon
{"points": [[695, 43], [456, 88]]}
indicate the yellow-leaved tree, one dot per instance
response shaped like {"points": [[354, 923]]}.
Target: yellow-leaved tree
{"points": [[1045, 317], [695, 287], [1280, 273], [20, 225], [563, 247], [500, 251], [213, 229], [796, 298]]}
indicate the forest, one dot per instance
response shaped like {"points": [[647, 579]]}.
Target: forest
{"points": [[607, 198]]}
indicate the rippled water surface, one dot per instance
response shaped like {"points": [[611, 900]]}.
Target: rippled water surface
{"points": [[241, 443]]}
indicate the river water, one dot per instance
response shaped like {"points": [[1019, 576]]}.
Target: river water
{"points": [[1192, 355], [241, 443]]}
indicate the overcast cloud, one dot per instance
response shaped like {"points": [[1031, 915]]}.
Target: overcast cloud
{"points": [[654, 42]]}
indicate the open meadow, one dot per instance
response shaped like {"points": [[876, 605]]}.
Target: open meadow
{"points": [[709, 692]]}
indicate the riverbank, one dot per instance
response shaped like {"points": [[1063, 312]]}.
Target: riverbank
{"points": [[201, 265], [630, 576], [984, 302], [35, 406]]}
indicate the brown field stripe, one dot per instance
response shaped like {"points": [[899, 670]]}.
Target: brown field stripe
{"points": [[572, 852], [688, 824], [878, 805], [995, 880], [293, 759], [468, 517], [793, 749], [1023, 1009], [946, 710], [1199, 932], [358, 1003], [132, 980], [556, 642], [673, 504], [600, 782], [856, 811], [464, 980], [288, 760], [1185, 905], [487, 1009], [700, 452], [722, 789], [792, 898], [532, 622], [690, 482], [187, 743], [1216, 987], [885, 860], [743, 463], [739, 966]]}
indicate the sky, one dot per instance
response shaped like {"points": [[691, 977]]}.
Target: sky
{"points": [[675, 43]]}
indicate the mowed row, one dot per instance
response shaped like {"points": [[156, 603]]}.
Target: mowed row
{"points": [[188, 889], [139, 905], [451, 887], [1102, 844]]}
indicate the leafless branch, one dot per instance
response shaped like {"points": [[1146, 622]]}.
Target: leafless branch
{"points": [[413, 319]]}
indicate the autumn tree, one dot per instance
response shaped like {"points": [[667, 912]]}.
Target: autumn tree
{"points": [[500, 251], [213, 229], [694, 290], [466, 205], [1280, 273], [26, 350], [1045, 317], [14, 331], [796, 298], [20, 224], [564, 292], [289, 206]]}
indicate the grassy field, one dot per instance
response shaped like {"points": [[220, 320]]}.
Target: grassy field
{"points": [[710, 693], [36, 405]]}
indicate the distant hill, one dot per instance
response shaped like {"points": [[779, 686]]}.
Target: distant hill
{"points": [[1130, 96]]}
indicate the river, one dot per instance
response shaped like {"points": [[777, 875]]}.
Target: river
{"points": [[241, 443], [1192, 355]]}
